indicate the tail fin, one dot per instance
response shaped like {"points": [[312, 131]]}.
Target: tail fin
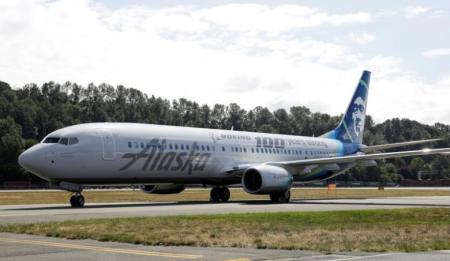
{"points": [[351, 127]]}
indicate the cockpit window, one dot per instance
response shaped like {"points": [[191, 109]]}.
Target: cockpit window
{"points": [[61, 140], [73, 140], [51, 140], [64, 141]]}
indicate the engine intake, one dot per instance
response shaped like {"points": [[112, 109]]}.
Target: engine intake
{"points": [[163, 189], [266, 179]]}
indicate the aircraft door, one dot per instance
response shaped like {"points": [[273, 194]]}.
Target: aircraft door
{"points": [[109, 146]]}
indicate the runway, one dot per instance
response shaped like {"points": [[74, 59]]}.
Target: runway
{"points": [[28, 247], [35, 248], [59, 212]]}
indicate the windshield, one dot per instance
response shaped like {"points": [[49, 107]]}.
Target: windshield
{"points": [[51, 140]]}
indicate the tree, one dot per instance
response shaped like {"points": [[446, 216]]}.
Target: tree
{"points": [[417, 164], [11, 143], [29, 113]]}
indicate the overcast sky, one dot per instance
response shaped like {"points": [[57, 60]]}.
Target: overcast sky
{"points": [[269, 53]]}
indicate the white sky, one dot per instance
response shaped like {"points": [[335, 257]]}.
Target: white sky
{"points": [[274, 54]]}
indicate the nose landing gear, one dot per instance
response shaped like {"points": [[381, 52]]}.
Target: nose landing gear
{"points": [[77, 201], [220, 194]]}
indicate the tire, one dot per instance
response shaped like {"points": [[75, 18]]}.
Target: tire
{"points": [[80, 201], [224, 194], [77, 201], [281, 197], [215, 195], [73, 200]]}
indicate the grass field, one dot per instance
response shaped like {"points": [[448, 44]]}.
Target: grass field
{"points": [[368, 230], [92, 196]]}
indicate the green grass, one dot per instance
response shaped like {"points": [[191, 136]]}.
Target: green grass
{"points": [[368, 230], [98, 196]]}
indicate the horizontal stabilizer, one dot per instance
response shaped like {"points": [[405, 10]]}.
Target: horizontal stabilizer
{"points": [[395, 145]]}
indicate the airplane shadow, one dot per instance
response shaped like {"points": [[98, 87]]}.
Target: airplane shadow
{"points": [[242, 202]]}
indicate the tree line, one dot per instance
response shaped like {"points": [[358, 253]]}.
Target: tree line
{"points": [[29, 113]]}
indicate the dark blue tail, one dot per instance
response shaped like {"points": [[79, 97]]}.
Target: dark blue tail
{"points": [[351, 127]]}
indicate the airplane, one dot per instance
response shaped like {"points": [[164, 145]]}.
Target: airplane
{"points": [[165, 159]]}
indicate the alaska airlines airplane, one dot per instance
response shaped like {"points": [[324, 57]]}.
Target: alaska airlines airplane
{"points": [[164, 159]]}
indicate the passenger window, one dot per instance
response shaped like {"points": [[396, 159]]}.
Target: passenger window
{"points": [[203, 147], [170, 146], [223, 148], [182, 146], [257, 150], [207, 147], [187, 147], [142, 145], [198, 148], [245, 150], [64, 141], [130, 145], [176, 146], [253, 151]]}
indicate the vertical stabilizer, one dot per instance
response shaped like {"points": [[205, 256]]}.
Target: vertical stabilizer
{"points": [[351, 127]]}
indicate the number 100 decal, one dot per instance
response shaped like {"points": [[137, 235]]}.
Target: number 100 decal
{"points": [[267, 142]]}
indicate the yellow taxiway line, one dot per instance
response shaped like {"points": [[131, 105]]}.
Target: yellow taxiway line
{"points": [[100, 249]]}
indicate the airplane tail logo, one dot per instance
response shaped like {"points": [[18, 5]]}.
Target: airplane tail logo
{"points": [[351, 127]]}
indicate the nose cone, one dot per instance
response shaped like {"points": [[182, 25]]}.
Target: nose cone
{"points": [[26, 160]]}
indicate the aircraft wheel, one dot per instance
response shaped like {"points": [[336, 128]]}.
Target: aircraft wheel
{"points": [[281, 197], [215, 195], [77, 201], [224, 194]]}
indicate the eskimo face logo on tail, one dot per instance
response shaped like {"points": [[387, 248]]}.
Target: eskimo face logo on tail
{"points": [[158, 160], [358, 116]]}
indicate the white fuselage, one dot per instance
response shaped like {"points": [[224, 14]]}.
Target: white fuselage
{"points": [[125, 153]]}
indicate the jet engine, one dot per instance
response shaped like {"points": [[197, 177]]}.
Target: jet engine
{"points": [[266, 179], [163, 189]]}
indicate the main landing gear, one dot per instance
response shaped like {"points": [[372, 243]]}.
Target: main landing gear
{"points": [[220, 194], [77, 201], [281, 197]]}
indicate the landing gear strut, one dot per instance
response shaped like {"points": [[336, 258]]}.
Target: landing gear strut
{"points": [[281, 197], [77, 201], [220, 194]]}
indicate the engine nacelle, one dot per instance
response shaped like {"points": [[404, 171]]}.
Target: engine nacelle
{"points": [[163, 189], [266, 179]]}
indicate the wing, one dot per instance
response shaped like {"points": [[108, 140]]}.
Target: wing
{"points": [[331, 162], [395, 145], [363, 157]]}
